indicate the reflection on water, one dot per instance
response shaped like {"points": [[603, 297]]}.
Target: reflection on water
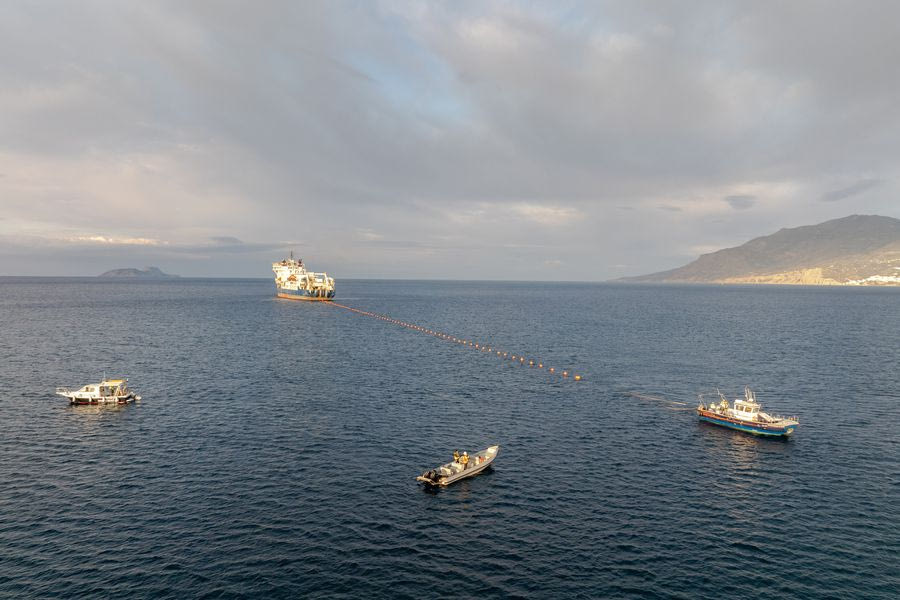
{"points": [[742, 461], [96, 409], [431, 490], [94, 422]]}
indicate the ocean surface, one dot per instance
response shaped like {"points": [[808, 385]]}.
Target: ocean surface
{"points": [[275, 449]]}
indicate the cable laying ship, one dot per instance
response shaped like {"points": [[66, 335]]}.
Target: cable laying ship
{"points": [[294, 282]]}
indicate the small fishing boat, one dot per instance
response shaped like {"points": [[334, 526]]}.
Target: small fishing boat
{"points": [[746, 415], [108, 391], [456, 470]]}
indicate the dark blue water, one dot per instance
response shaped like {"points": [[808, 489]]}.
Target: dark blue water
{"points": [[274, 452]]}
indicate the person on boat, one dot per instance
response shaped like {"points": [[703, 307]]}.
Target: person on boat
{"points": [[456, 456], [464, 459]]}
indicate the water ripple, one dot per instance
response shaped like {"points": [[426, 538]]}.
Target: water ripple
{"points": [[275, 450]]}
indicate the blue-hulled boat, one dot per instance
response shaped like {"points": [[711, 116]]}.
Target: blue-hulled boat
{"points": [[746, 415]]}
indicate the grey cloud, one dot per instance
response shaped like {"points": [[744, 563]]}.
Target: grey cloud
{"points": [[853, 190], [741, 201], [400, 244], [228, 248], [227, 121]]}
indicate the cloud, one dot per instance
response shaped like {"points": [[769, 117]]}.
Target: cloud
{"points": [[368, 235], [115, 241], [857, 188], [545, 215], [226, 239], [498, 213], [363, 128], [740, 201], [220, 248]]}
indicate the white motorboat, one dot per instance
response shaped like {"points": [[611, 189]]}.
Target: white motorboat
{"points": [[460, 469], [108, 391]]}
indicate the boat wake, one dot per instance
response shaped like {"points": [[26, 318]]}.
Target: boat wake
{"points": [[657, 399]]}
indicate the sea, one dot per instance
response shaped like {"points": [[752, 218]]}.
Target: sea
{"points": [[275, 448]]}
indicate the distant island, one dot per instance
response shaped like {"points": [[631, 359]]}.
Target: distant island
{"points": [[146, 273], [854, 250]]}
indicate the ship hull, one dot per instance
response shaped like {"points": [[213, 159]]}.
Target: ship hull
{"points": [[309, 295], [95, 401], [746, 426]]}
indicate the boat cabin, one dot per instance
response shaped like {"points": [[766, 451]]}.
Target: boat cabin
{"points": [[746, 410], [107, 387]]}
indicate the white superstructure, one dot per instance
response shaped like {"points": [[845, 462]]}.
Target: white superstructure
{"points": [[293, 281]]}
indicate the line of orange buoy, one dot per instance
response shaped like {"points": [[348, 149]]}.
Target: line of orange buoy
{"points": [[481, 347]]}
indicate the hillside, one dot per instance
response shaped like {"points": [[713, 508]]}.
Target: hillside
{"points": [[854, 250], [146, 273]]}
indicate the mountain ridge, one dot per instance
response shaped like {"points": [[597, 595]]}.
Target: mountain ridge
{"points": [[853, 250], [131, 273]]}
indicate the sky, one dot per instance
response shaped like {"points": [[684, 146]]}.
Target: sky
{"points": [[572, 141]]}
